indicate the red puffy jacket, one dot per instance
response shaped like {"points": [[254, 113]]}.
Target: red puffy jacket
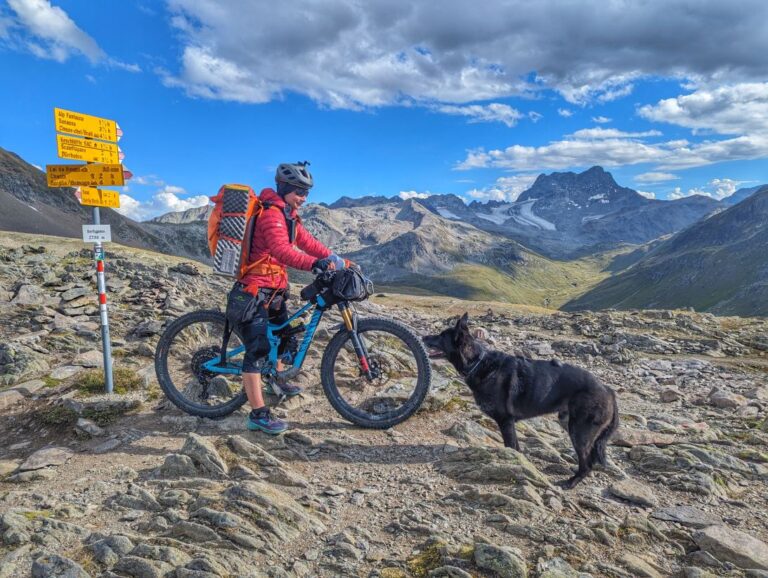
{"points": [[272, 251]]}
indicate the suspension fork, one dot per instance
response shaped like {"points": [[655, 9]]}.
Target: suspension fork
{"points": [[350, 322]]}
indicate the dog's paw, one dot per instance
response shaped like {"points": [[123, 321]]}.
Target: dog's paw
{"points": [[570, 483]]}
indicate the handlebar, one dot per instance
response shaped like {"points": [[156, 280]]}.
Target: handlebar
{"points": [[317, 271]]}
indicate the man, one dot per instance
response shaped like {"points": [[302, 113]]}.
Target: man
{"points": [[260, 295]]}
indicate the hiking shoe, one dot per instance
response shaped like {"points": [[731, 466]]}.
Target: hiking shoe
{"points": [[263, 421], [288, 390]]}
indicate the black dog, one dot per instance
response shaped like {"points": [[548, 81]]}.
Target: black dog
{"points": [[509, 388]]}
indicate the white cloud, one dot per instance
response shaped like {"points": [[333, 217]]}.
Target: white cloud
{"points": [[647, 194], [355, 54], [135, 68], [130, 207], [723, 188], [504, 189], [678, 193], [5, 26], [51, 33], [565, 112], [594, 87], [165, 200], [209, 76], [601, 119], [152, 180], [48, 32], [654, 177], [405, 195], [616, 92], [735, 109], [599, 133], [598, 148], [535, 116], [494, 112], [717, 189]]}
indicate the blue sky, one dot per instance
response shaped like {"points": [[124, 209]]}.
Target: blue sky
{"points": [[390, 97]]}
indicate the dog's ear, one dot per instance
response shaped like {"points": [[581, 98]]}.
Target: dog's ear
{"points": [[461, 332]]}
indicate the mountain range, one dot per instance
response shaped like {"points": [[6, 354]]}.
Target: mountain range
{"points": [[30, 206], [573, 239], [567, 215], [718, 265]]}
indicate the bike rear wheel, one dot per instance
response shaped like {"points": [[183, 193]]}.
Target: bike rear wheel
{"points": [[187, 343], [402, 374]]}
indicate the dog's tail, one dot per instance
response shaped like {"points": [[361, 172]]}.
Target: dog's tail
{"points": [[598, 450]]}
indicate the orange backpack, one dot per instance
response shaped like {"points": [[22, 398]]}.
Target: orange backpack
{"points": [[230, 228]]}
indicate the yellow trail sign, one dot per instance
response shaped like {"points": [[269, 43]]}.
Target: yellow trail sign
{"points": [[85, 175], [85, 125], [94, 197], [90, 151]]}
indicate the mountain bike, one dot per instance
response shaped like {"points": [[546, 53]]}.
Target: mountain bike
{"points": [[374, 371]]}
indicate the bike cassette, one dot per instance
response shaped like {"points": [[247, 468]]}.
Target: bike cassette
{"points": [[200, 357]]}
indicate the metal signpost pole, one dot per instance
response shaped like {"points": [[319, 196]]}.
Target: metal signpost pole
{"points": [[98, 252], [94, 140]]}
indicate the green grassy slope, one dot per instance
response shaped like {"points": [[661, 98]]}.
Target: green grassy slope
{"points": [[718, 265]]}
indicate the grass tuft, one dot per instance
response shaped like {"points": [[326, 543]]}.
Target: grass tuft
{"points": [[56, 415], [124, 380]]}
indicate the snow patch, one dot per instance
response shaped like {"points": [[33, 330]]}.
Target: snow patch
{"points": [[523, 214], [597, 197], [33, 208], [497, 215], [447, 214], [591, 218]]}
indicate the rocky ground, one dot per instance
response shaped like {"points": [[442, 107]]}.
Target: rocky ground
{"points": [[126, 485]]}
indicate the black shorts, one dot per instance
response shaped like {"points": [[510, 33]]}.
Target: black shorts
{"points": [[248, 316]]}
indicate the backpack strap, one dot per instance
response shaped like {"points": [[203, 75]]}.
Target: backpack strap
{"points": [[290, 224]]}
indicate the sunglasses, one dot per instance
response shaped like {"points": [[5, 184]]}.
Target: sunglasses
{"points": [[301, 192]]}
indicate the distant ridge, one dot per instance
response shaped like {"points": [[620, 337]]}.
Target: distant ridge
{"points": [[718, 265]]}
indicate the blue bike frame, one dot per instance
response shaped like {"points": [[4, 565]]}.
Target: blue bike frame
{"points": [[274, 342]]}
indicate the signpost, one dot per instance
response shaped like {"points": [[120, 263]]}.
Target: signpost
{"points": [[86, 125], [86, 177], [93, 151], [97, 234], [94, 197]]}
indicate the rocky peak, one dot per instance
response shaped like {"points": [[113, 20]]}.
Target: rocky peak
{"points": [[192, 215], [741, 194], [367, 201], [593, 185]]}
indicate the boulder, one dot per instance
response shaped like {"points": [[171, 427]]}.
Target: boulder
{"points": [[734, 546], [504, 561], [204, 454], [635, 492], [491, 465], [53, 456], [55, 566]]}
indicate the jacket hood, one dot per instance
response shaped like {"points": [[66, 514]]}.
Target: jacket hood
{"points": [[271, 196]]}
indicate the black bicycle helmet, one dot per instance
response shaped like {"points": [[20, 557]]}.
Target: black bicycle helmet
{"points": [[295, 174]]}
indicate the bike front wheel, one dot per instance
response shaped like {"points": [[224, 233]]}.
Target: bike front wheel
{"points": [[186, 345], [399, 365]]}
